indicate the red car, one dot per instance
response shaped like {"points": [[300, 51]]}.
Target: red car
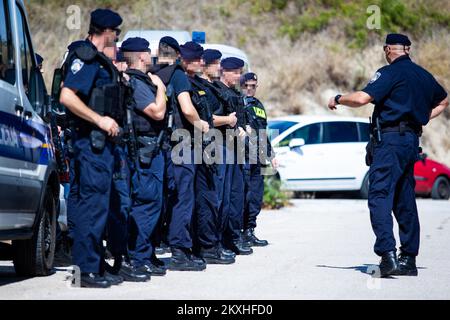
{"points": [[432, 178]]}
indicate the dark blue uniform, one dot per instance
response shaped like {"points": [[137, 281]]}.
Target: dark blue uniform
{"points": [[253, 178], [404, 95], [91, 172], [147, 181], [184, 177]]}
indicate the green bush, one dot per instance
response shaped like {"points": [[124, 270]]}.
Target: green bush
{"points": [[274, 198]]}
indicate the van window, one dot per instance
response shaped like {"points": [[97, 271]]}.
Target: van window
{"points": [[310, 133], [26, 57], [7, 68], [339, 132]]}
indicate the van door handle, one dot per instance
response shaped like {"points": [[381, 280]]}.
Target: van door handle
{"points": [[28, 115], [19, 110]]}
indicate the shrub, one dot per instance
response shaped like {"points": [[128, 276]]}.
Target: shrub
{"points": [[274, 198]]}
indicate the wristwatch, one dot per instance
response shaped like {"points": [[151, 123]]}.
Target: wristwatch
{"points": [[336, 99]]}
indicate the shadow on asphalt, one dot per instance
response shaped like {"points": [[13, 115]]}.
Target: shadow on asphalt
{"points": [[369, 269], [8, 276]]}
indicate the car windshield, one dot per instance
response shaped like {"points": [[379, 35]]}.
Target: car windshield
{"points": [[278, 127]]}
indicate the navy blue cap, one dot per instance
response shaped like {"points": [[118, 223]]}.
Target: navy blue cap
{"points": [[105, 19], [39, 59], [191, 51], [135, 45], [171, 42], [397, 38], [232, 63], [211, 55], [248, 77]]}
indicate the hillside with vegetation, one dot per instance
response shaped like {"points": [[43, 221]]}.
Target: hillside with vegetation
{"points": [[304, 51]]}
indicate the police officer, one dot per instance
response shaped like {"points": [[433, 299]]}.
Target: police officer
{"points": [[234, 180], [148, 164], [168, 56], [406, 97], [222, 121], [186, 118], [205, 227], [93, 159], [253, 178], [120, 202]]}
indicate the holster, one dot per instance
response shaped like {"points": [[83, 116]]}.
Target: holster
{"points": [[148, 149], [369, 151], [98, 140]]}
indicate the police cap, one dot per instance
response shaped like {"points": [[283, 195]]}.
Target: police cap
{"points": [[232, 63], [105, 19], [171, 42], [135, 45], [191, 51], [248, 77], [397, 38], [211, 55]]}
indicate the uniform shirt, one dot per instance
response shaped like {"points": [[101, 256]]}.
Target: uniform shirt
{"points": [[143, 97], [180, 83], [404, 91], [83, 77]]}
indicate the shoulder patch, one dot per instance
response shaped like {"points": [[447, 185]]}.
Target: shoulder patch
{"points": [[375, 77], [76, 66]]}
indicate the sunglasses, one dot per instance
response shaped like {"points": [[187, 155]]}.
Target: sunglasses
{"points": [[250, 86]]}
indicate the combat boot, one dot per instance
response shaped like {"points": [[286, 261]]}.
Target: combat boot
{"points": [[406, 265], [127, 271], [239, 248], [182, 261], [388, 264], [250, 240], [94, 280], [216, 256]]}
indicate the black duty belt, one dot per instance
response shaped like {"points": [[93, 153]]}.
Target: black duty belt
{"points": [[401, 128]]}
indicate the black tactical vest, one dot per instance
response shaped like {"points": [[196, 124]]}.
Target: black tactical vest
{"points": [[142, 123]]}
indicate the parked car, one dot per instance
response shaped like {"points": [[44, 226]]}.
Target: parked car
{"points": [[327, 154], [432, 179]]}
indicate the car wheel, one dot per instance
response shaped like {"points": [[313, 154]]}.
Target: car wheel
{"points": [[441, 189], [364, 192], [34, 257]]}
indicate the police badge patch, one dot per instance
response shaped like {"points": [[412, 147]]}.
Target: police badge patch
{"points": [[375, 77], [77, 64]]}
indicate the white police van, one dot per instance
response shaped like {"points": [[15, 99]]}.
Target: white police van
{"points": [[29, 182]]}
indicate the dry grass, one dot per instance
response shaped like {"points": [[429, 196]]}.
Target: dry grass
{"points": [[295, 77]]}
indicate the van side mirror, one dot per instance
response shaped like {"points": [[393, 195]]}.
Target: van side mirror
{"points": [[296, 143], [41, 104]]}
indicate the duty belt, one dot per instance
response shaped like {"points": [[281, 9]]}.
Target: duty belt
{"points": [[402, 127]]}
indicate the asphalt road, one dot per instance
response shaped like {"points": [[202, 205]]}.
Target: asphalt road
{"points": [[319, 249]]}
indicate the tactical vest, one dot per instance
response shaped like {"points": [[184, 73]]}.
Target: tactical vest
{"points": [[200, 100], [233, 101], [106, 100], [179, 121], [256, 114], [141, 122]]}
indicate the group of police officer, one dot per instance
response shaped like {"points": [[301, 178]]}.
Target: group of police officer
{"points": [[135, 175]]}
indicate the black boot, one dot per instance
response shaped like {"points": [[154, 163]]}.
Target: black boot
{"points": [[128, 272], [182, 261], [113, 278], [94, 280], [216, 256], [152, 270], [249, 239], [406, 265], [239, 248], [388, 264], [157, 262], [226, 252]]}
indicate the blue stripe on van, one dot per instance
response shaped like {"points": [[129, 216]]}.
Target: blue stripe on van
{"points": [[24, 139]]}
